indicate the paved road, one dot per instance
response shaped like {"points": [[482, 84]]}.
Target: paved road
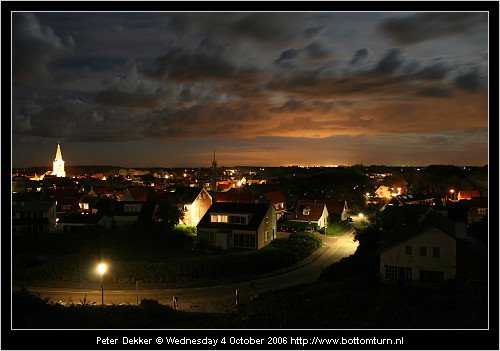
{"points": [[218, 298]]}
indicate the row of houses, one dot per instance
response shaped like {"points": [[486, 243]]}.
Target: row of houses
{"points": [[68, 210]]}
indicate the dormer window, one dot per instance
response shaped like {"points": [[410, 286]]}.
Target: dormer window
{"points": [[306, 211]]}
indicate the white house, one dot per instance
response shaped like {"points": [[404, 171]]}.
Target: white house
{"points": [[422, 253]]}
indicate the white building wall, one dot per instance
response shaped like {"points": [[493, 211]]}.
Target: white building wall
{"points": [[396, 256]]}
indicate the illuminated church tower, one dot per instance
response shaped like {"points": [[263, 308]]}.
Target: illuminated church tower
{"points": [[58, 169]]}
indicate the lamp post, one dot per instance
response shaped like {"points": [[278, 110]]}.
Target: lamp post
{"points": [[101, 269]]}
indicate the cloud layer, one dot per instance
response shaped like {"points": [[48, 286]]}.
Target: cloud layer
{"points": [[240, 76]]}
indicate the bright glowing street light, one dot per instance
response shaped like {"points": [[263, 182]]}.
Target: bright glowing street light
{"points": [[101, 269], [361, 215]]}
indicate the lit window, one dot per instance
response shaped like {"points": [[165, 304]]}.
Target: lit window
{"points": [[218, 218], [267, 235]]}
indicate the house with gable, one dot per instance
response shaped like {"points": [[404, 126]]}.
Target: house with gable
{"points": [[108, 192], [87, 202], [139, 193], [278, 201], [420, 253], [337, 209], [310, 213], [194, 202], [237, 225], [66, 199]]}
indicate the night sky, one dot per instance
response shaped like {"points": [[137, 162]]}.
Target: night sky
{"points": [[324, 88]]}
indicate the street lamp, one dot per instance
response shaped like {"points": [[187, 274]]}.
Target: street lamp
{"points": [[101, 269]]}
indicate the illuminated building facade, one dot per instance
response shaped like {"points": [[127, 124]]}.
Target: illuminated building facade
{"points": [[58, 164]]}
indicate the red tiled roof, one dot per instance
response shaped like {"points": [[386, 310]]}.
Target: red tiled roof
{"points": [[234, 195], [335, 206], [276, 197], [316, 210], [140, 193]]}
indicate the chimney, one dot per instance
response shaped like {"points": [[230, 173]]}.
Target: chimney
{"points": [[460, 232]]}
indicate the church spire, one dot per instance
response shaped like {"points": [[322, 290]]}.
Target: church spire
{"points": [[58, 164], [58, 152]]}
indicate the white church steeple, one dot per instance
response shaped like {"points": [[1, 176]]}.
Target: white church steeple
{"points": [[58, 164]]}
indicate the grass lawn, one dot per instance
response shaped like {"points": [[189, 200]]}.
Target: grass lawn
{"points": [[152, 255]]}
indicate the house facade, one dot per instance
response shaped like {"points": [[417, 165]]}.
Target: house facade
{"points": [[424, 253], [237, 225]]}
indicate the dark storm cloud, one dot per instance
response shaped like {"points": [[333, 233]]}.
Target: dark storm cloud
{"points": [[35, 47], [264, 27], [182, 65], [287, 55], [311, 31], [311, 52], [316, 51], [259, 27], [435, 71], [224, 119], [425, 26], [471, 80], [75, 120], [359, 57], [140, 98], [435, 92], [132, 90], [390, 62], [195, 23]]}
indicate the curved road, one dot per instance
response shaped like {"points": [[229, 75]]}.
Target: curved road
{"points": [[218, 298]]}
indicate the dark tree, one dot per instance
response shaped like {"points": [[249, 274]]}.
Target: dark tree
{"points": [[168, 213]]}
